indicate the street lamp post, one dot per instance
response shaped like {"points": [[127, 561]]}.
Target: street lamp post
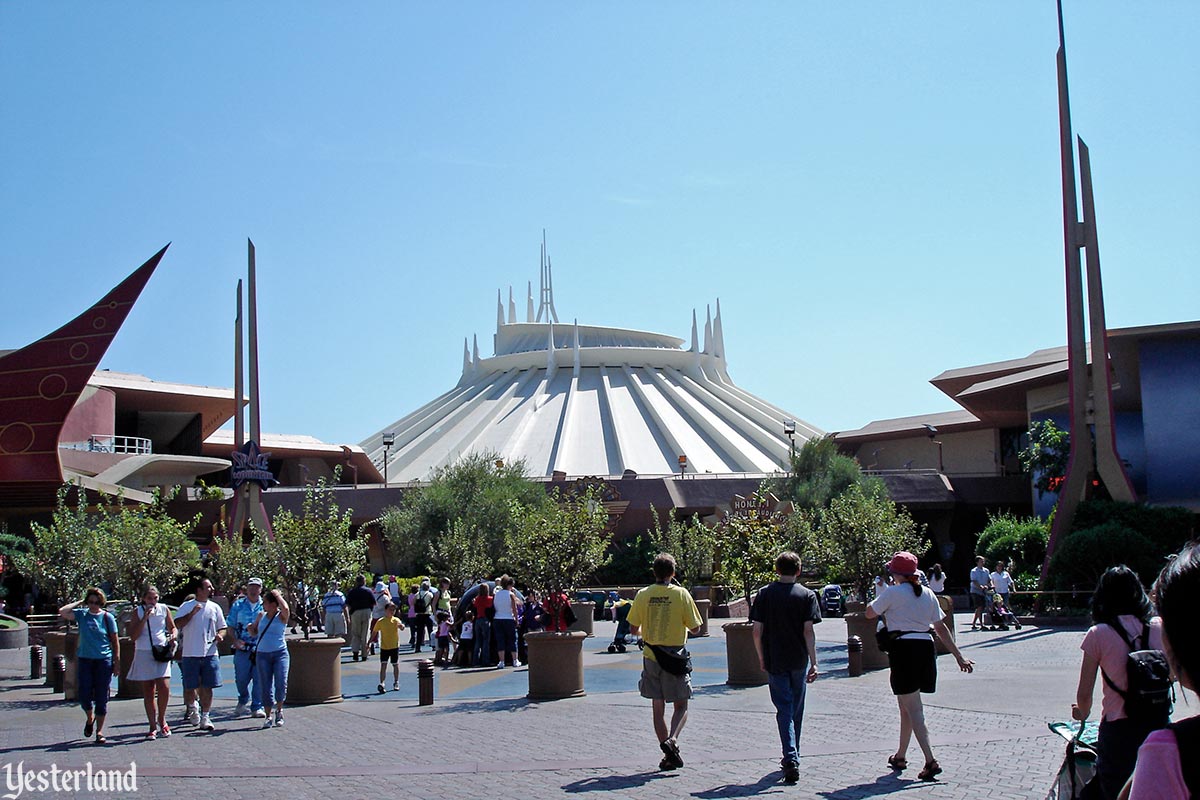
{"points": [[389, 439], [933, 432], [789, 430], [682, 464]]}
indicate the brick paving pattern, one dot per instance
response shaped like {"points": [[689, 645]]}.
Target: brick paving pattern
{"points": [[989, 733]]}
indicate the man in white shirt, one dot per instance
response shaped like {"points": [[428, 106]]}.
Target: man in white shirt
{"points": [[201, 622], [1002, 582], [981, 579]]}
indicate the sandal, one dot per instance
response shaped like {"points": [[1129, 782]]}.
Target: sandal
{"points": [[88, 727], [666, 764], [100, 739], [898, 763], [672, 751], [931, 771]]}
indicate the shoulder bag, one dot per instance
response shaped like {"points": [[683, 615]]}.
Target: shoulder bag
{"points": [[160, 652], [261, 634]]}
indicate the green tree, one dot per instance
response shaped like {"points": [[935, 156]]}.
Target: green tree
{"points": [[460, 554], [64, 558], [854, 538], [477, 490], [316, 548], [820, 473], [747, 545], [140, 544], [1019, 542], [232, 563], [693, 544], [1046, 455], [561, 543]]}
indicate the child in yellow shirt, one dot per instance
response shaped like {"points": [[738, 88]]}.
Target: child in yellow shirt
{"points": [[386, 631]]}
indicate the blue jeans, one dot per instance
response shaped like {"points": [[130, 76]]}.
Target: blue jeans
{"points": [[483, 642], [787, 693], [93, 680], [273, 675], [244, 674]]}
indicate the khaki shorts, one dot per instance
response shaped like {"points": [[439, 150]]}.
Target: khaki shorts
{"points": [[658, 684]]}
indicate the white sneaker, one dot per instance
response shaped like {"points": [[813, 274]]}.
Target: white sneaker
{"points": [[206, 723], [241, 710], [380, 688], [258, 713], [268, 723], [193, 714], [395, 686], [279, 718], [517, 664]]}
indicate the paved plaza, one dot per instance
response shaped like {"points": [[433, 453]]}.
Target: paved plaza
{"points": [[482, 738]]}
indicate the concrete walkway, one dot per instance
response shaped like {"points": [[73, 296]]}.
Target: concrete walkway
{"points": [[483, 738]]}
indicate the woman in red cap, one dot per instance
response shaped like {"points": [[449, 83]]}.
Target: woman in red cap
{"points": [[911, 612]]}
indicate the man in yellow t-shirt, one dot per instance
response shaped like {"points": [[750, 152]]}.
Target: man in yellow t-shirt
{"points": [[387, 631], [664, 613]]}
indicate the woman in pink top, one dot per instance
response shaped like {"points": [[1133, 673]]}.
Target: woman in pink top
{"points": [[1160, 774], [1122, 613]]}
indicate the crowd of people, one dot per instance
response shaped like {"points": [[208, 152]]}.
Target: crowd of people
{"points": [[1138, 645]]}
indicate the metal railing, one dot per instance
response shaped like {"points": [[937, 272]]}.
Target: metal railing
{"points": [[124, 445]]}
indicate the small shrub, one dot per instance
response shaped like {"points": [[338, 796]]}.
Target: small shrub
{"points": [[1084, 555]]}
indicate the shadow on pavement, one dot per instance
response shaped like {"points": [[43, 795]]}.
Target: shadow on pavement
{"points": [[1008, 638], [484, 704], [614, 782], [885, 784], [771, 782]]}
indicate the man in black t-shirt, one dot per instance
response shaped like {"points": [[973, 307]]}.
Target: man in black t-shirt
{"points": [[783, 614], [360, 601]]}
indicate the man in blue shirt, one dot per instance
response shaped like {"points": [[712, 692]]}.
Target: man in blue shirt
{"points": [[244, 611]]}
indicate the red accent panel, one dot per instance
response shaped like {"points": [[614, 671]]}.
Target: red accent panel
{"points": [[40, 382]]}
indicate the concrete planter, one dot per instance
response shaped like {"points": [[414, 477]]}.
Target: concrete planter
{"points": [[947, 605], [555, 664], [740, 655], [583, 617], [56, 642], [71, 679], [858, 625], [703, 606], [127, 688], [12, 638], [315, 671]]}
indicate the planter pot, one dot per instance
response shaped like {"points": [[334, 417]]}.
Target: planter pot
{"points": [[947, 605], [740, 655], [855, 606], [703, 606], [12, 638], [56, 642], [127, 688], [315, 671], [583, 617], [858, 625], [555, 664]]}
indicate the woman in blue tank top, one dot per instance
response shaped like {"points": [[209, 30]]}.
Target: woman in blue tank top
{"points": [[271, 659]]}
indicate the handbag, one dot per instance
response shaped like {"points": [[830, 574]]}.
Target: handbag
{"points": [[160, 652], [675, 660], [254, 652]]}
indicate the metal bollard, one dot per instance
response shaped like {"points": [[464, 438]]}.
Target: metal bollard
{"points": [[854, 650], [425, 682], [58, 674], [35, 662]]}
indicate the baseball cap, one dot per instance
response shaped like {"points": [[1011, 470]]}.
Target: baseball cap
{"points": [[254, 582], [903, 563]]}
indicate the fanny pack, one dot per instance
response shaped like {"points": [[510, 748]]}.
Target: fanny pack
{"points": [[675, 660]]}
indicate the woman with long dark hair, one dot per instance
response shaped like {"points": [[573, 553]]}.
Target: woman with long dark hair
{"points": [[1123, 620], [1160, 773], [913, 616]]}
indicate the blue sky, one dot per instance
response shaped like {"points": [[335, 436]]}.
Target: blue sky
{"points": [[872, 189]]}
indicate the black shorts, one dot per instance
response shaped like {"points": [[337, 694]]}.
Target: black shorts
{"points": [[978, 600], [389, 655], [914, 666]]}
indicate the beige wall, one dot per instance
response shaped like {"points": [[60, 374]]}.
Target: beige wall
{"points": [[966, 452]]}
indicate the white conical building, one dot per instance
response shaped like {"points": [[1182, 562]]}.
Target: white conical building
{"points": [[586, 400]]}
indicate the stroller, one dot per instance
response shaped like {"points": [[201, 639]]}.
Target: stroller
{"points": [[833, 602], [999, 617], [621, 615], [1079, 765]]}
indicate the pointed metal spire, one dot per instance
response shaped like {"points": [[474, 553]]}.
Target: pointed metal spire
{"points": [[708, 329], [512, 307], [575, 347], [529, 303], [695, 348], [474, 350], [499, 311], [466, 357], [547, 286], [718, 334]]}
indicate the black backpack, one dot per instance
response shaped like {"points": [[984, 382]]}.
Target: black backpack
{"points": [[421, 605], [1148, 676]]}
